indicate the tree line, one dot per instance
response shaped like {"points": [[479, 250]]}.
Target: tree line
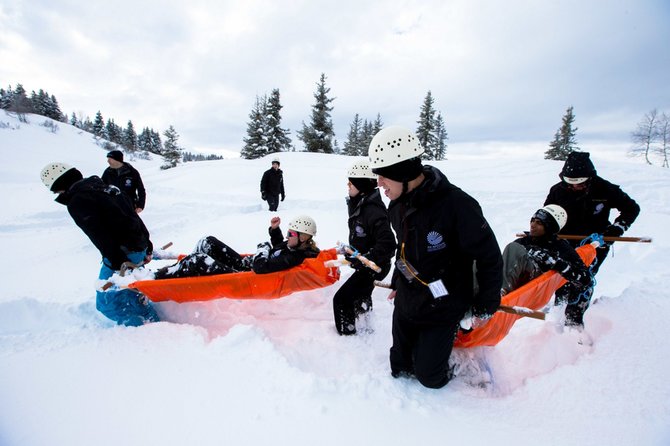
{"points": [[108, 134], [265, 135]]}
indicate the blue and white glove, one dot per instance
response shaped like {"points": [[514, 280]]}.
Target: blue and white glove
{"points": [[263, 250]]}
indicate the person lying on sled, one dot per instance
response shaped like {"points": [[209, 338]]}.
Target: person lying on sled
{"points": [[541, 250], [212, 256]]}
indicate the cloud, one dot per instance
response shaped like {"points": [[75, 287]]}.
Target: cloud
{"points": [[497, 71]]}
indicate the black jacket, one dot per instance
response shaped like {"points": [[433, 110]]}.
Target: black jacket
{"points": [[281, 256], [568, 263], [369, 230], [107, 217], [128, 179], [589, 210], [444, 234], [272, 182]]}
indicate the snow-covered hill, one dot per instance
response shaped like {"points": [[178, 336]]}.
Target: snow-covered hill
{"points": [[276, 372]]}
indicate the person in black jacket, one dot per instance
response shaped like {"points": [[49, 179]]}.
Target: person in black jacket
{"points": [[272, 185], [442, 239], [126, 178], [588, 200], [212, 256], [370, 235], [541, 250], [109, 220]]}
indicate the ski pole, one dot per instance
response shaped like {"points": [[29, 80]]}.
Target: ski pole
{"points": [[607, 238], [125, 266], [519, 311], [355, 254]]}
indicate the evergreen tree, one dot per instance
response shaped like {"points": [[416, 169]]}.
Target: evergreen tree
{"points": [[53, 109], [129, 137], [319, 135], [255, 143], [5, 98], [113, 132], [353, 142], [564, 141], [171, 149], [144, 140], [441, 138], [99, 125], [156, 143], [73, 120], [425, 132], [20, 104], [277, 137]]}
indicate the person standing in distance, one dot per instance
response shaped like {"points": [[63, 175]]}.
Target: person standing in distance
{"points": [[272, 185], [442, 239], [126, 178], [109, 220], [588, 200]]}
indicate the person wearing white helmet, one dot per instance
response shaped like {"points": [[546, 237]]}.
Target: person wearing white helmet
{"points": [[212, 256], [108, 218], [540, 250], [588, 200], [441, 235], [370, 234], [272, 185]]}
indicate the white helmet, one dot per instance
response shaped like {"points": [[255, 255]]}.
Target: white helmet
{"points": [[392, 145], [276, 160], [52, 172], [558, 213], [303, 224], [361, 169]]}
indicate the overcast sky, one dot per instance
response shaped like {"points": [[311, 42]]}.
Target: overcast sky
{"points": [[498, 70]]}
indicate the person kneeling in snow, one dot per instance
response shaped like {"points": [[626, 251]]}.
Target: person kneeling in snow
{"points": [[108, 218], [212, 256], [541, 250]]}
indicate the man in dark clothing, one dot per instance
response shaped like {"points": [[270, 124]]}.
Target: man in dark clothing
{"points": [[541, 250], [108, 219], [272, 185], [126, 178], [588, 200], [442, 235], [370, 234]]}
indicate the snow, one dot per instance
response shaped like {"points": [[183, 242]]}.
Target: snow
{"points": [[276, 372]]}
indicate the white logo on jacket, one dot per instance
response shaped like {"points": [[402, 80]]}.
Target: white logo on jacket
{"points": [[435, 241]]}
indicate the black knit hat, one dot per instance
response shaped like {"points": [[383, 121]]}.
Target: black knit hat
{"points": [[116, 155], [364, 185], [67, 179], [578, 165], [548, 221], [403, 171]]}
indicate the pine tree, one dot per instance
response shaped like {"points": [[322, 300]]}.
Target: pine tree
{"points": [[319, 135], [277, 137], [129, 137], [425, 132], [73, 120], [20, 104], [171, 150], [255, 143], [5, 98], [156, 143], [353, 142], [441, 138], [113, 132], [99, 125], [564, 141]]}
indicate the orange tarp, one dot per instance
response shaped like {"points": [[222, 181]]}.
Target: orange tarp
{"points": [[311, 274], [534, 295]]}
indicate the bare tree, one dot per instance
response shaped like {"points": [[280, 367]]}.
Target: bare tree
{"points": [[647, 132], [663, 138]]}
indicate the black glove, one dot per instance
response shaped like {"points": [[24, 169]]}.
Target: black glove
{"points": [[263, 196], [561, 266], [541, 256], [282, 197], [613, 231], [354, 262]]}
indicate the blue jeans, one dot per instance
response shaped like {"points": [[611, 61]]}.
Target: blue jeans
{"points": [[125, 307]]}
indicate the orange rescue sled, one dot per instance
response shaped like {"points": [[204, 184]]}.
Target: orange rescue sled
{"points": [[534, 295], [309, 275]]}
